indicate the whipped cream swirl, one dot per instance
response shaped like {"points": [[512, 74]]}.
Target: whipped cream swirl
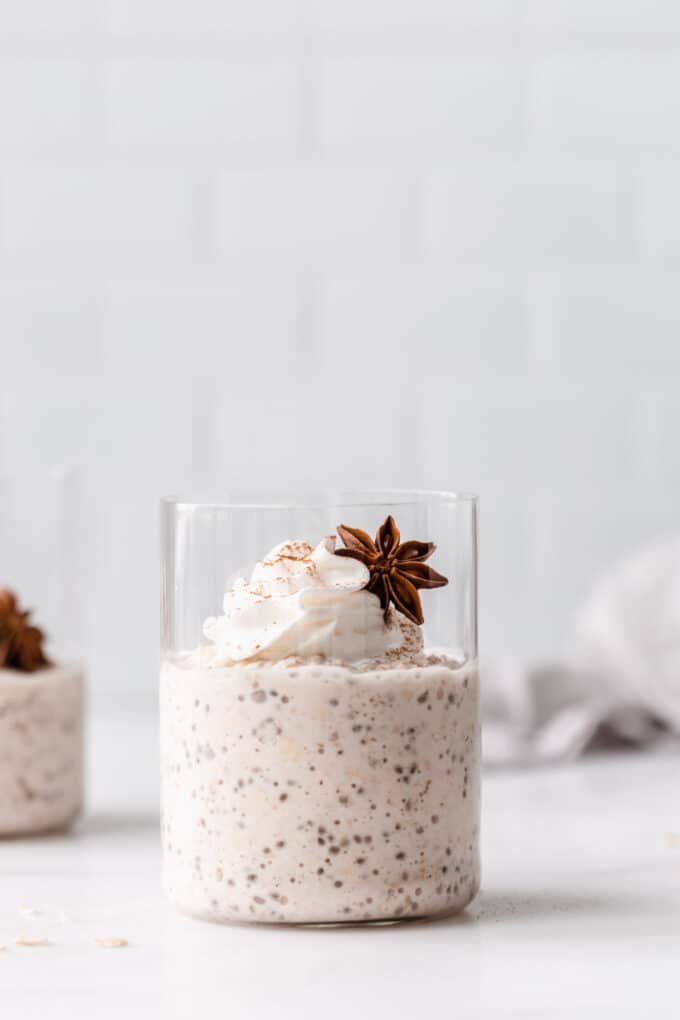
{"points": [[302, 602]]}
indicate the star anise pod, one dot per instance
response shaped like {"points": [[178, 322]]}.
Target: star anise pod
{"points": [[397, 570], [20, 642]]}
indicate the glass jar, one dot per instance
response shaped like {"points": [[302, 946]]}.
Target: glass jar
{"points": [[41, 678], [320, 708]]}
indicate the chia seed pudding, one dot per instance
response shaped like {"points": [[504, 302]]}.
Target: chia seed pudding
{"points": [[318, 764], [320, 793]]}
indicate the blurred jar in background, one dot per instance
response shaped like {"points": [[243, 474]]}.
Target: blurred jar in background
{"points": [[41, 675]]}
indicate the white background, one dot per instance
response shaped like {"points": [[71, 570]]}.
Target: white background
{"points": [[411, 242]]}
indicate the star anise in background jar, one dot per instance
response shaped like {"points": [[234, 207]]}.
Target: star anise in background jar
{"points": [[397, 570], [21, 644]]}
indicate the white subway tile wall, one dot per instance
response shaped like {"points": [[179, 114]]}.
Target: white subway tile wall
{"points": [[292, 242]]}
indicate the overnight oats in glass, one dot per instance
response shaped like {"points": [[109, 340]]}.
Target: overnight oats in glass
{"points": [[320, 709]]}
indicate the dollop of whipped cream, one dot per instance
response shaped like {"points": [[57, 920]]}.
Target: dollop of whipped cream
{"points": [[302, 602]]}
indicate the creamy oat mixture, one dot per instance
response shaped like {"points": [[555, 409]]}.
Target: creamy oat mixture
{"points": [[320, 793]]}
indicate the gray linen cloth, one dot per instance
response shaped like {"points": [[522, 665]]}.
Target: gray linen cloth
{"points": [[620, 684]]}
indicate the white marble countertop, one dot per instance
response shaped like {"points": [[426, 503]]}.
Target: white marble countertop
{"points": [[579, 914]]}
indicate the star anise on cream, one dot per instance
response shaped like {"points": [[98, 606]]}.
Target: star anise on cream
{"points": [[20, 642], [397, 570]]}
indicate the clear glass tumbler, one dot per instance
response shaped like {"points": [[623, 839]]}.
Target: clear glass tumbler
{"points": [[320, 708], [41, 678]]}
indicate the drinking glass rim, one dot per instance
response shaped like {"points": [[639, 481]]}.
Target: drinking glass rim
{"points": [[370, 498]]}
